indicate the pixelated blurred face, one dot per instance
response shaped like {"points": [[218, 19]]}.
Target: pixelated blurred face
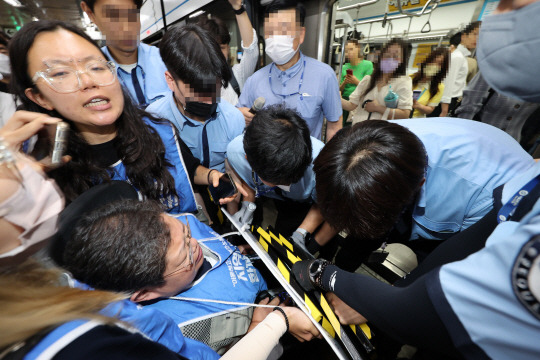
{"points": [[352, 51], [184, 258], [72, 69], [284, 22], [3, 49], [469, 40], [185, 92], [119, 22], [393, 52]]}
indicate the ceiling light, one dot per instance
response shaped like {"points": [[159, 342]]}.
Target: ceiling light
{"points": [[196, 13], [15, 3]]}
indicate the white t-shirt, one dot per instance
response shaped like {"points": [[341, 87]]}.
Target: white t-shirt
{"points": [[243, 70], [401, 85], [457, 74]]}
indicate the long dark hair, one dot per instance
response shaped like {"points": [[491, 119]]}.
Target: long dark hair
{"points": [[138, 145], [402, 68], [437, 79]]}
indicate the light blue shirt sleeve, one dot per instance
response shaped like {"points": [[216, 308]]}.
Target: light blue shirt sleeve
{"points": [[331, 104]]}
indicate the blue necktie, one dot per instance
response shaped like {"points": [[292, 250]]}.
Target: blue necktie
{"points": [[206, 150], [140, 96]]}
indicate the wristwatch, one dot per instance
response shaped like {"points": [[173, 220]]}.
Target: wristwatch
{"points": [[316, 271], [240, 11]]}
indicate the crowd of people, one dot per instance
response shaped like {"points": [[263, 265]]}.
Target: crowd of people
{"points": [[120, 252]]}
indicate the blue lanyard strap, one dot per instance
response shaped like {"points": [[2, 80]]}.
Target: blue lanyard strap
{"points": [[510, 207], [299, 85], [258, 184]]}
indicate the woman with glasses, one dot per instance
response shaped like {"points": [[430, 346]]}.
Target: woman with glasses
{"points": [[60, 72], [387, 93]]}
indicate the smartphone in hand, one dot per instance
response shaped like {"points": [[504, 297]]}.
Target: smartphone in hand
{"points": [[349, 72], [416, 94], [226, 188], [51, 144]]}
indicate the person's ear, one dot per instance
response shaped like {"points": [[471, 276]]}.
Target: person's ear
{"points": [[38, 99], [88, 11], [170, 81], [144, 295], [302, 35]]}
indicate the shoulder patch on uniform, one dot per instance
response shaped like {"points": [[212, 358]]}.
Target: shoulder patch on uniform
{"points": [[526, 276]]}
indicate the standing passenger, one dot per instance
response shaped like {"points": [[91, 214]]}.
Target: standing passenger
{"points": [[139, 66], [359, 68], [302, 83]]}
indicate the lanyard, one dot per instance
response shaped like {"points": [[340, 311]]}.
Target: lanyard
{"points": [[299, 85], [258, 184], [510, 207]]}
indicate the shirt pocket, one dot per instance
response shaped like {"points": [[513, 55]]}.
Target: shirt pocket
{"points": [[309, 106]]}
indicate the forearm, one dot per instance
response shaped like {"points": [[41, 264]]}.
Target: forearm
{"points": [[347, 105], [259, 342], [201, 175], [406, 314], [333, 127], [246, 29], [424, 109], [393, 113], [312, 220], [444, 109]]}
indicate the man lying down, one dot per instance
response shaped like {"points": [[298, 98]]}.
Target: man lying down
{"points": [[136, 248]]}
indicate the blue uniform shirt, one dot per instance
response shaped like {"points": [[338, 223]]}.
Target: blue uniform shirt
{"points": [[467, 160], [228, 124], [480, 290], [309, 86], [302, 191], [150, 75]]}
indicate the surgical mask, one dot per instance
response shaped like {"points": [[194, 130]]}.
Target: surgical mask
{"points": [[280, 48], [201, 109], [431, 70], [388, 66], [286, 188], [508, 53], [4, 64], [34, 207]]}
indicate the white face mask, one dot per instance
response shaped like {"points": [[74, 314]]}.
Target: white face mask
{"points": [[286, 188], [280, 48], [35, 207], [4, 64]]}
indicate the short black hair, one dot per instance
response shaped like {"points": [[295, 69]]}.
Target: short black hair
{"points": [[366, 175], [471, 27], [121, 246], [92, 3], [193, 56], [215, 27], [278, 145], [278, 5]]}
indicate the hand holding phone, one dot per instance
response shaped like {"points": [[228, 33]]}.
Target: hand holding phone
{"points": [[416, 94], [226, 188], [51, 144], [349, 72]]}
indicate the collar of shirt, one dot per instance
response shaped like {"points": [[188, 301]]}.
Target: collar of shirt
{"points": [[290, 72], [182, 119], [421, 198], [462, 49]]}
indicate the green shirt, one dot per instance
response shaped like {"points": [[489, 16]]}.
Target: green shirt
{"points": [[364, 68]]}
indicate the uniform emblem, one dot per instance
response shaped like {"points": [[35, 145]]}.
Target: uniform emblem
{"points": [[526, 276]]}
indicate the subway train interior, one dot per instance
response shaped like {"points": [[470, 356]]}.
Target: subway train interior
{"points": [[270, 179]]}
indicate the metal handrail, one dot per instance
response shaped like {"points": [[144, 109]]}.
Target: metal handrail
{"points": [[348, 7], [422, 12]]}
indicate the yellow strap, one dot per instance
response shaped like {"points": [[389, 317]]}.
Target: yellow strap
{"points": [[263, 243], [330, 314], [286, 242], [273, 236], [365, 328], [293, 258], [284, 271], [328, 327], [315, 313]]}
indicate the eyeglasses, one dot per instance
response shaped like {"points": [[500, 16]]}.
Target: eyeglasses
{"points": [[66, 79], [189, 249]]}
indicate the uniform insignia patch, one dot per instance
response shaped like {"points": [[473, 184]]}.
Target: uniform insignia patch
{"points": [[526, 276]]}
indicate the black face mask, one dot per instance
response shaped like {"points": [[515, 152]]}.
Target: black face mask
{"points": [[200, 109]]}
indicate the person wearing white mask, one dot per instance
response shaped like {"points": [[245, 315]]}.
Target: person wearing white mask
{"points": [[302, 83], [7, 103]]}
